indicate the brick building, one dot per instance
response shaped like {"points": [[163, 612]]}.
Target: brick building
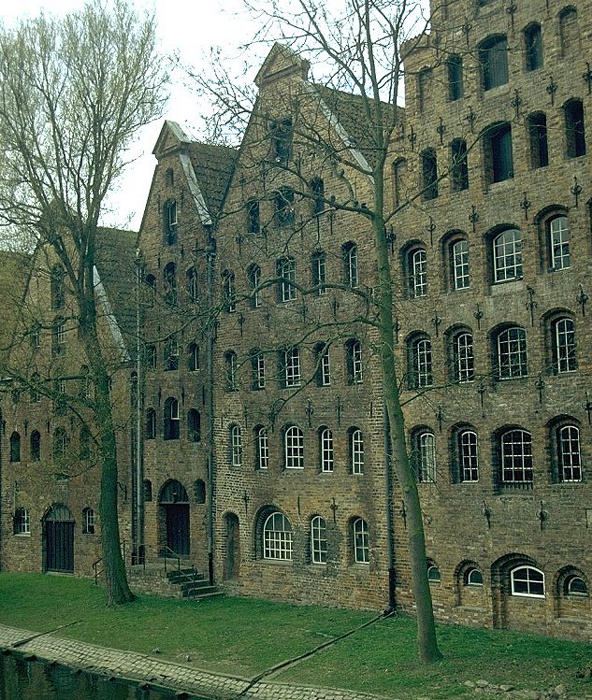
{"points": [[262, 455]]}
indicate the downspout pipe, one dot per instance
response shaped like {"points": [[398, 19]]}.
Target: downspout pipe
{"points": [[211, 326], [140, 554], [388, 476]]}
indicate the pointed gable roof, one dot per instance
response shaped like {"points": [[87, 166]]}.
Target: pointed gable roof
{"points": [[281, 61]]}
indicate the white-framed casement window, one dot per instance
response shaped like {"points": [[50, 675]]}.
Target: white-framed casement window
{"points": [[88, 521], [326, 450], [323, 364], [516, 457], [559, 243], [421, 363], [231, 366], [318, 540], [254, 276], [262, 448], [192, 285], [527, 581], [353, 351], [171, 419], [564, 345], [277, 538], [361, 541], [459, 254], [473, 577], [292, 374], [319, 272], [21, 522], [425, 456], [229, 291], [569, 453], [294, 448], [350, 264], [286, 271], [418, 268], [258, 369], [236, 446], [507, 256], [468, 455], [511, 353], [464, 359], [356, 451]]}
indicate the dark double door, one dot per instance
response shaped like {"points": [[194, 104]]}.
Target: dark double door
{"points": [[177, 528], [58, 533]]}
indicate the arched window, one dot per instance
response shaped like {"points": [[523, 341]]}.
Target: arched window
{"points": [[454, 67], [507, 255], [58, 295], [229, 291], [533, 46], [170, 177], [257, 369], [361, 545], [253, 216], [399, 173], [467, 455], [170, 222], [462, 357], [322, 364], [59, 337], [527, 581], [192, 286], [350, 264], [231, 366], [319, 271], [199, 491], [254, 278], [569, 457], [193, 426], [193, 357], [261, 448], [510, 349], [317, 188], [286, 271], [575, 586], [516, 457], [281, 132], [558, 242], [318, 540], [434, 575], [493, 58], [459, 167], [236, 446], [569, 34], [150, 290], [277, 537], [353, 360], [356, 451], [21, 522], [537, 132], [291, 366], [326, 450], [88, 521], [420, 362], [150, 424], [563, 339], [575, 133], [459, 263], [35, 446], [499, 159], [294, 448], [473, 577], [429, 174], [171, 354], [169, 279], [284, 207], [171, 419], [60, 444], [417, 272], [147, 487], [424, 453], [424, 88]]}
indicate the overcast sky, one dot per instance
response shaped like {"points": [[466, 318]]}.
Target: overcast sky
{"points": [[186, 28]]}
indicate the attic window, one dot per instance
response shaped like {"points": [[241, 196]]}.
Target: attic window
{"points": [[281, 130], [170, 222], [170, 177]]}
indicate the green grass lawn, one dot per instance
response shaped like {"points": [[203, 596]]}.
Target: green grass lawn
{"points": [[244, 637]]}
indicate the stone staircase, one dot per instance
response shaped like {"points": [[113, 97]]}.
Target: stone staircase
{"points": [[171, 581]]}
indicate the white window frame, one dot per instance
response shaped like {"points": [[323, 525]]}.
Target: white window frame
{"points": [[559, 243], [507, 256], [327, 451], [512, 358], [294, 448], [422, 355], [318, 540], [231, 362], [516, 457], [236, 446], [354, 348], [292, 374], [564, 338], [325, 367], [464, 357], [88, 525], [255, 281], [569, 453], [361, 543], [192, 286], [460, 264], [419, 271], [426, 457], [229, 292], [287, 271], [22, 525], [319, 262], [356, 451], [277, 538], [350, 255], [527, 581], [468, 456], [259, 369], [262, 448]]}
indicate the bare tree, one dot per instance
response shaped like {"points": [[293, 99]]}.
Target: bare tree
{"points": [[73, 94]]}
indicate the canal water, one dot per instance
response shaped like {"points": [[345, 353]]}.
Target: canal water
{"points": [[35, 680]]}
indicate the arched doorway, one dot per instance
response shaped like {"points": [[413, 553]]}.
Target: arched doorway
{"points": [[174, 503], [232, 558], [58, 539]]}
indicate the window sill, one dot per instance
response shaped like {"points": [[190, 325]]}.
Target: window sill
{"points": [[22, 535], [507, 286]]}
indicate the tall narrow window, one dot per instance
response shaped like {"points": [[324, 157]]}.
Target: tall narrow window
{"points": [[459, 166], [150, 356], [253, 217], [15, 447], [493, 57], [284, 207], [350, 264], [468, 455], [291, 361], [464, 361], [353, 355], [569, 33], [361, 543], [171, 419], [21, 522], [60, 445], [533, 46], [511, 353], [236, 446], [294, 448], [193, 357], [569, 456], [150, 424], [286, 271], [356, 451], [326, 450], [170, 223], [424, 80], [319, 272], [399, 172], [507, 256], [149, 292], [537, 132], [574, 128], [169, 279], [58, 296], [420, 361], [88, 521], [516, 457], [254, 278], [258, 369], [499, 157], [323, 365], [192, 286], [281, 130], [459, 258], [35, 446], [317, 188], [261, 448], [318, 540], [564, 345], [59, 337], [229, 291], [455, 77], [417, 263], [193, 426], [558, 232], [171, 354], [231, 367], [425, 457], [429, 174]]}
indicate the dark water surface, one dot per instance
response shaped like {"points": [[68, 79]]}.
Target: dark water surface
{"points": [[35, 680]]}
